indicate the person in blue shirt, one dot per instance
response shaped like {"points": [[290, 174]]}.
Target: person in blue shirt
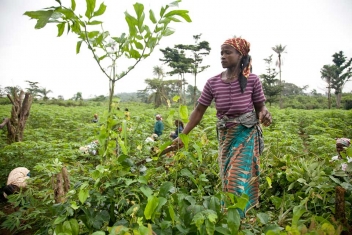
{"points": [[178, 130], [159, 125]]}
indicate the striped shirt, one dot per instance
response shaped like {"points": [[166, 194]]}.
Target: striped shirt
{"points": [[229, 100]]}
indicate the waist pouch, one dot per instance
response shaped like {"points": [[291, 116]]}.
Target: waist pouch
{"points": [[248, 120]]}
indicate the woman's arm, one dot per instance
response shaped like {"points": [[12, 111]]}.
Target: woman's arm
{"points": [[263, 113], [195, 118]]}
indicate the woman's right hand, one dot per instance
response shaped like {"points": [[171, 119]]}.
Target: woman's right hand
{"points": [[177, 142]]}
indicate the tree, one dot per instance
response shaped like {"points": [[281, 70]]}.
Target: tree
{"points": [[343, 72], [290, 89], [279, 49], [159, 72], [138, 44], [271, 86], [159, 88], [33, 88], [198, 50], [328, 72], [177, 60], [21, 105], [77, 96], [44, 92], [191, 95]]}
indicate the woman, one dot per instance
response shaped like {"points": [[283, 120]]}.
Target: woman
{"points": [[178, 130], [239, 101], [16, 180], [159, 125]]}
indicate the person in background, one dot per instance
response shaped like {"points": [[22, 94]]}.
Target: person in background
{"points": [[341, 144], [127, 114], [240, 109], [159, 125], [95, 119], [151, 138], [178, 130], [15, 181]]}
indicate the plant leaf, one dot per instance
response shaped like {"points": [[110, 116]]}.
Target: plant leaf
{"points": [[78, 46], [101, 10], [60, 28], [152, 17], [73, 5], [90, 8]]}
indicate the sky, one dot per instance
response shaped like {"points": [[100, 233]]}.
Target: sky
{"points": [[311, 30]]}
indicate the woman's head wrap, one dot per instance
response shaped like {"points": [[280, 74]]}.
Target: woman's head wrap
{"points": [[243, 47]]}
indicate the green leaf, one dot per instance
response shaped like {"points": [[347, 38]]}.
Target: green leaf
{"points": [[172, 213], [233, 220], [94, 22], [74, 226], [199, 152], [198, 220], [90, 8], [98, 233], [173, 19], [222, 230], [210, 227], [60, 219], [186, 172], [132, 23], [151, 43], [74, 205], [162, 11], [138, 8], [183, 113], [67, 12], [66, 227], [78, 46], [41, 16], [83, 195], [58, 1], [181, 13], [139, 45], [263, 218], [165, 188], [146, 191], [101, 10], [93, 34], [185, 140], [151, 206], [60, 28], [73, 5], [134, 54], [152, 17]]}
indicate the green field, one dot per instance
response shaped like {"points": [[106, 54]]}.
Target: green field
{"points": [[117, 192]]}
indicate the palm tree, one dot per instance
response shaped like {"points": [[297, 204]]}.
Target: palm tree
{"points": [[328, 73], [279, 49], [44, 92], [159, 72]]}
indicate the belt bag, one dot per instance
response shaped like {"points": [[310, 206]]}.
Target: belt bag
{"points": [[248, 120]]}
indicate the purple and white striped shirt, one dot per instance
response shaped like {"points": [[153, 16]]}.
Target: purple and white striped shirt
{"points": [[229, 100]]}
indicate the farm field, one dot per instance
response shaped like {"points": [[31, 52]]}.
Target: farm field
{"points": [[126, 188]]}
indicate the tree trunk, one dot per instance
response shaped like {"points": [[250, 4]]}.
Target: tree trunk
{"points": [[338, 99], [340, 206], [21, 105], [194, 90], [281, 102]]}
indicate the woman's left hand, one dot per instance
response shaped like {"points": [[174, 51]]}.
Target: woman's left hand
{"points": [[265, 117]]}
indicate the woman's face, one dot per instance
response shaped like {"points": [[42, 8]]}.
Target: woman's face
{"points": [[230, 57]]}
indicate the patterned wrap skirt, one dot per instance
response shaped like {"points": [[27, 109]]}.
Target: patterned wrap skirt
{"points": [[239, 151]]}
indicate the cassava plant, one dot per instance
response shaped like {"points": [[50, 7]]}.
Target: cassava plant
{"points": [[136, 45]]}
